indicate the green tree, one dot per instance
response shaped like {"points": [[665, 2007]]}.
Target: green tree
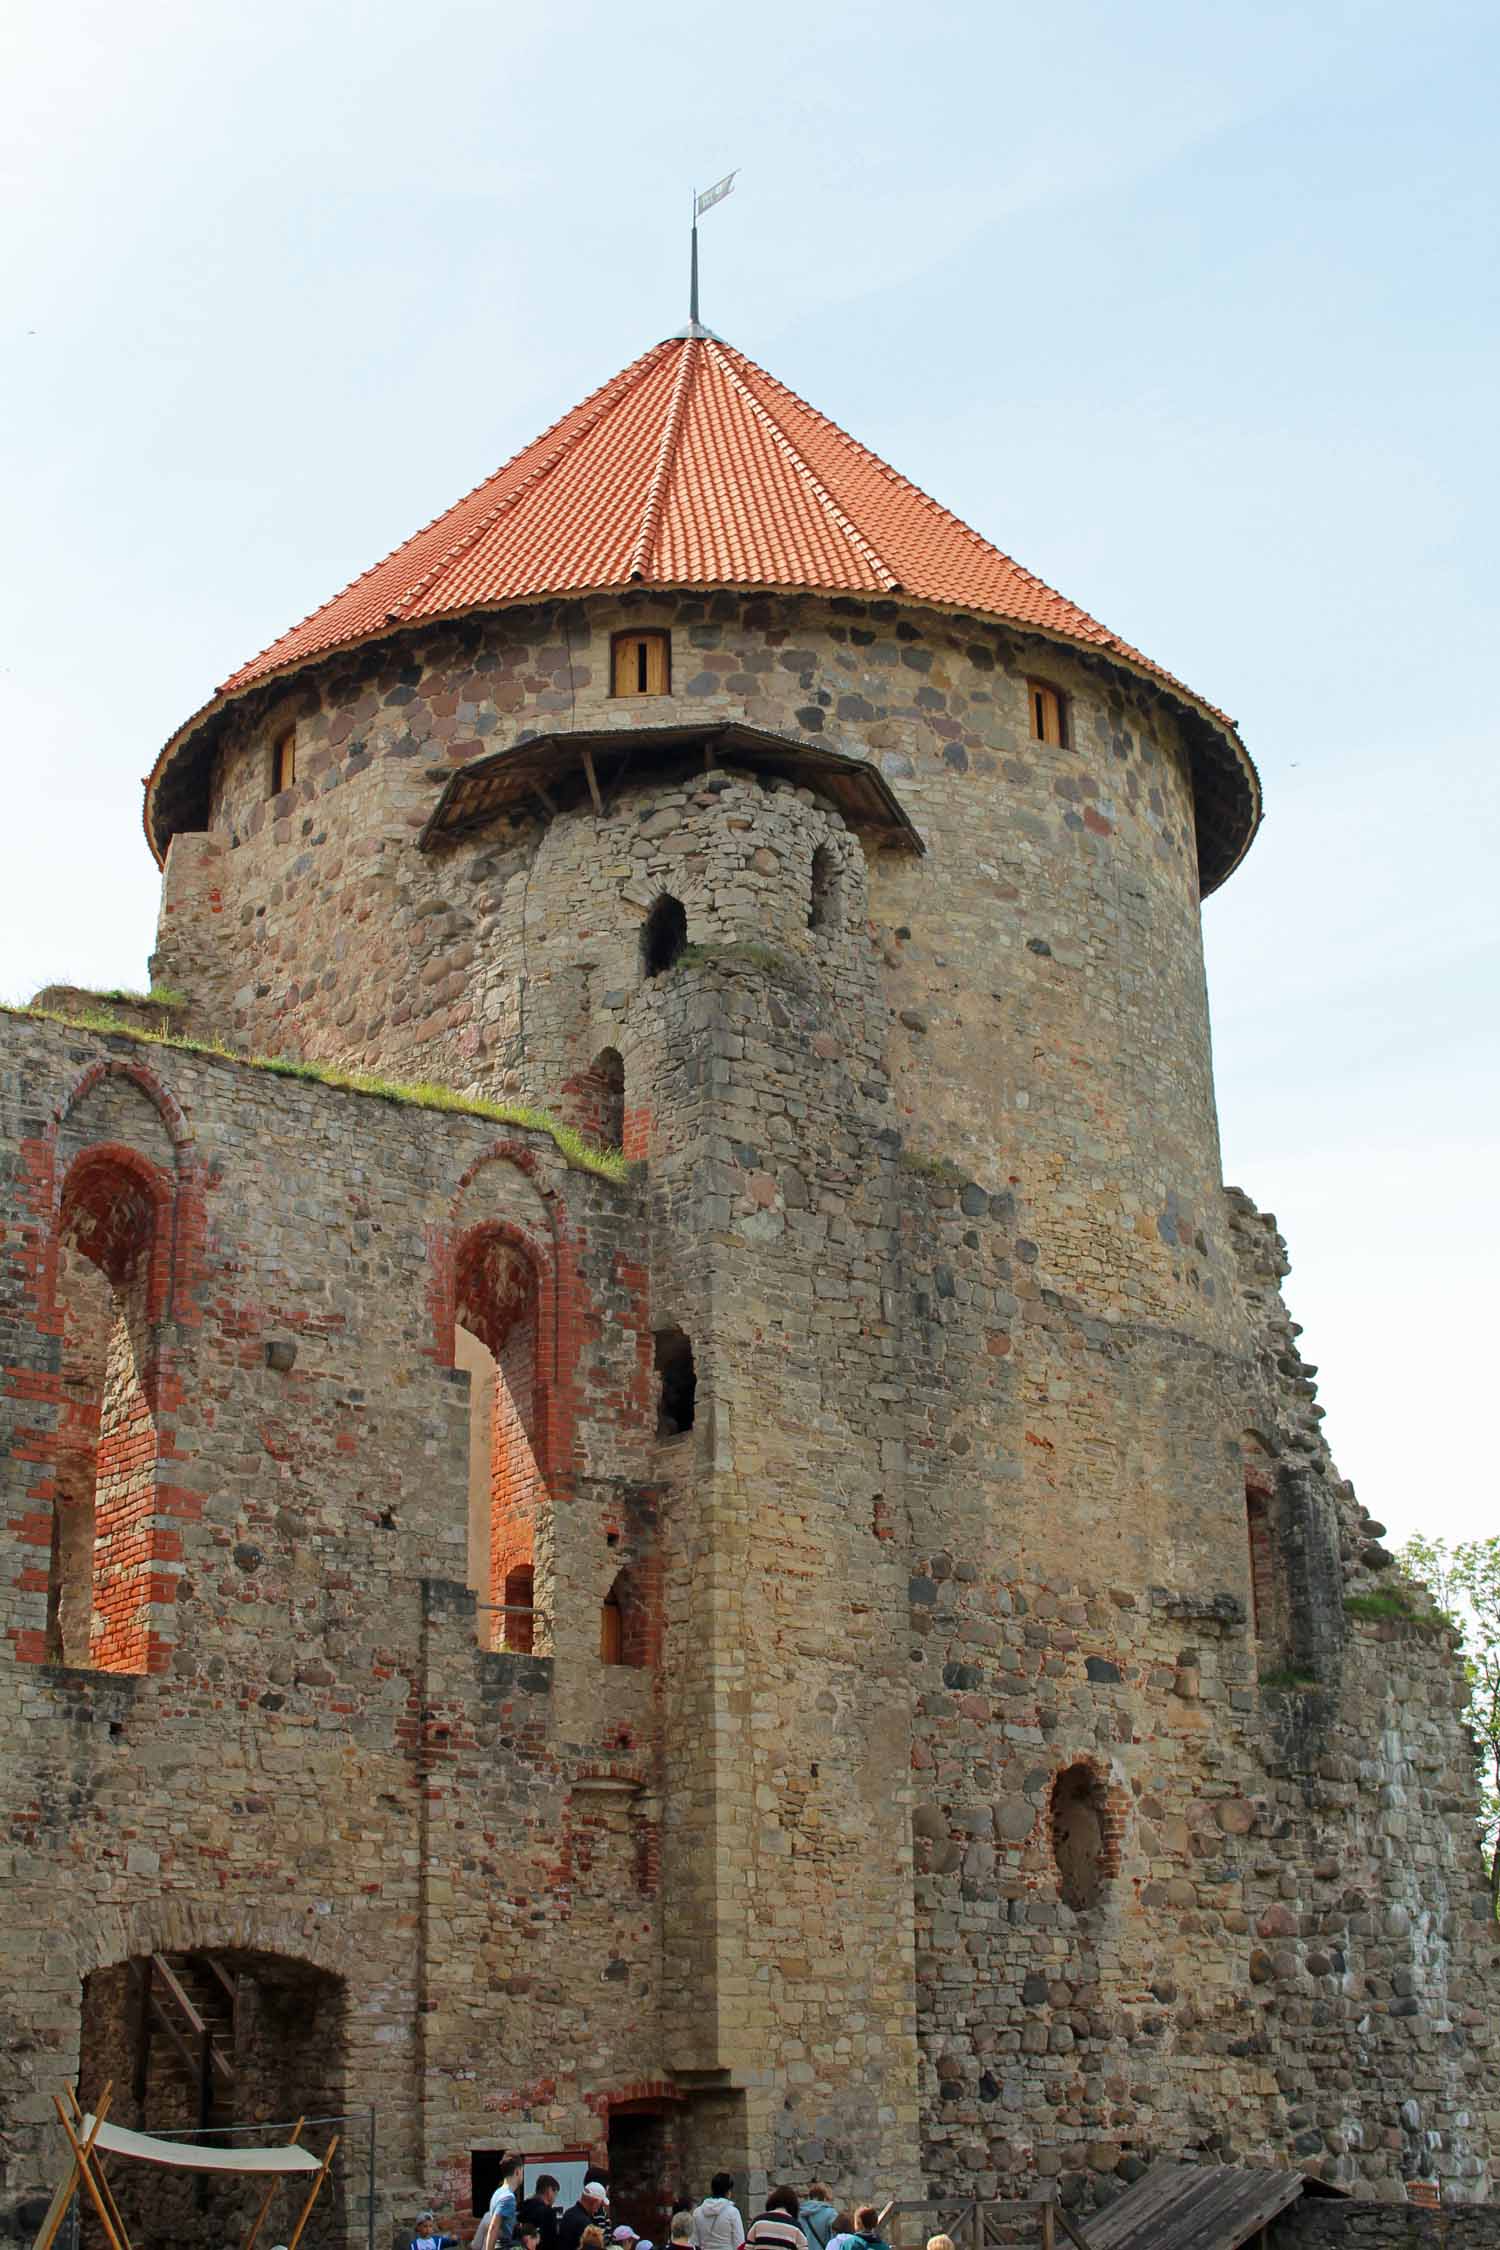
{"points": [[1464, 1582]]}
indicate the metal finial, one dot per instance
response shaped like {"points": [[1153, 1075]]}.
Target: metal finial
{"points": [[702, 203]]}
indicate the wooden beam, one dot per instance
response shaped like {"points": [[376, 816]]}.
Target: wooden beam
{"points": [[620, 772], [265, 2201], [593, 780], [99, 2172], [85, 2163], [1079, 2240], [57, 2209], [312, 2195]]}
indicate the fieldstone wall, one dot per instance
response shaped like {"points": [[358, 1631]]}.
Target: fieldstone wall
{"points": [[997, 1784], [1318, 2223], [325, 1766]]}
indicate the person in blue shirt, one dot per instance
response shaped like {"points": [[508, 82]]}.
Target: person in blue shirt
{"points": [[502, 2211]]}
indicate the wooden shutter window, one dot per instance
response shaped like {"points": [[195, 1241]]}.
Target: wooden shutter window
{"points": [[284, 762], [642, 664], [1046, 712]]}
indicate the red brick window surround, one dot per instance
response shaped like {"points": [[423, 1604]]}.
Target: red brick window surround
{"points": [[498, 1301], [100, 1583]]}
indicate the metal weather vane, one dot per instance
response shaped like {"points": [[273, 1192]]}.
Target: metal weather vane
{"points": [[702, 203]]}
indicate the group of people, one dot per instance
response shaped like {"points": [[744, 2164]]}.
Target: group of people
{"points": [[789, 2221]]}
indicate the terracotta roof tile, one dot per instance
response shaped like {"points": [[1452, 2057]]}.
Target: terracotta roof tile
{"points": [[691, 468]]}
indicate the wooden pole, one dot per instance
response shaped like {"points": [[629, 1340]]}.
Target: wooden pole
{"points": [[99, 2172], [593, 780], [85, 2165], [312, 2195], [57, 2209], [265, 2201], [1049, 2226]]}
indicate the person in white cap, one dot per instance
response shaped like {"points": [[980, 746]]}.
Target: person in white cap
{"points": [[588, 2211]]}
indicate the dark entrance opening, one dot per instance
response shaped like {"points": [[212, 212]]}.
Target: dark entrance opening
{"points": [[1080, 1837], [676, 1383], [206, 2040], [645, 2168], [663, 935]]}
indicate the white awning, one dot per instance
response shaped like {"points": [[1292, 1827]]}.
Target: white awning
{"points": [[195, 2156]]}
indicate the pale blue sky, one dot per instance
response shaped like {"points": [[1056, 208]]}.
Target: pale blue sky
{"points": [[1191, 308]]}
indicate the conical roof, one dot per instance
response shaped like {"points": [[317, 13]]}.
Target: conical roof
{"points": [[695, 469]]}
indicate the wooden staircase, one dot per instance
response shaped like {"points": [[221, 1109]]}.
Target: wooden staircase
{"points": [[188, 2004]]}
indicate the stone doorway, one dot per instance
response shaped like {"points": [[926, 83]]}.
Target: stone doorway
{"points": [[202, 2042], [645, 2167]]}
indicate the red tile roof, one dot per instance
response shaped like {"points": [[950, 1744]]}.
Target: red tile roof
{"points": [[691, 468]]}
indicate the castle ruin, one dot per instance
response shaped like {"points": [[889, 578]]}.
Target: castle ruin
{"points": [[820, 1646]]}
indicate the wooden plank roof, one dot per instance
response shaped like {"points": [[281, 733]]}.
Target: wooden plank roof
{"points": [[1196, 2207], [550, 773]]}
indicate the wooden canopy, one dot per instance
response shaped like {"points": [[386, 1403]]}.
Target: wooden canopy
{"points": [[90, 2139], [550, 773]]}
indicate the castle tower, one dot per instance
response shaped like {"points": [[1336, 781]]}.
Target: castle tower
{"points": [[869, 1578]]}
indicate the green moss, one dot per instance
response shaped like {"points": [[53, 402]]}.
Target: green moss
{"points": [[582, 1154], [942, 1169], [1287, 1678], [745, 955], [1385, 1602], [160, 996]]}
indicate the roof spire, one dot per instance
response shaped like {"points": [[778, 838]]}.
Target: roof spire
{"points": [[702, 203]]}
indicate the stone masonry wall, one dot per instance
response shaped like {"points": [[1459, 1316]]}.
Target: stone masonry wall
{"points": [[325, 1766], [944, 1604]]}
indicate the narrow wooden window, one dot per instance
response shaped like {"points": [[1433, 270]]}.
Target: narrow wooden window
{"points": [[1046, 712], [612, 1629], [284, 762], [642, 663]]}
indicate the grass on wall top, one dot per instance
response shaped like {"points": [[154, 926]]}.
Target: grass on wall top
{"points": [[584, 1155]]}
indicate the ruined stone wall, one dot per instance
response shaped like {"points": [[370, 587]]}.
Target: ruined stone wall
{"points": [[948, 1822], [322, 1764], [1291, 1956]]}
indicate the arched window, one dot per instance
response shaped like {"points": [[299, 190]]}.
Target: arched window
{"points": [[1081, 1843], [497, 1307], [663, 935], [624, 1628], [676, 1383], [102, 1529], [608, 1077], [823, 901]]}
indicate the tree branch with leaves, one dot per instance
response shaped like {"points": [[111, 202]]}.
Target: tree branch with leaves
{"points": [[1464, 1582]]}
